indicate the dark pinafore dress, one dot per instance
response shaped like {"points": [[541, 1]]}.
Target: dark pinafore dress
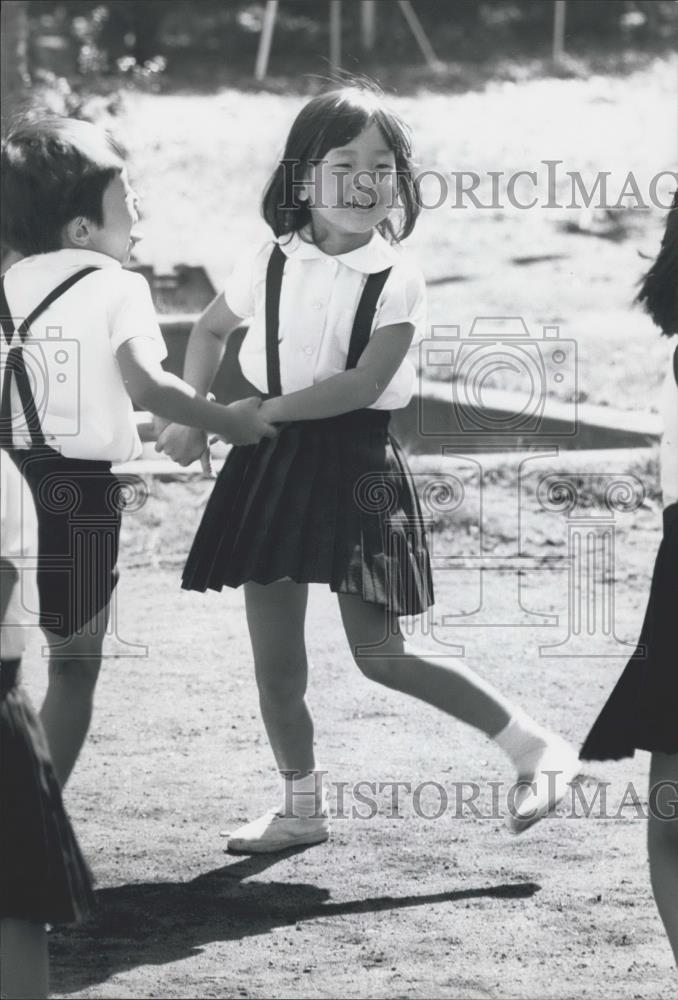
{"points": [[327, 501], [78, 502], [642, 711]]}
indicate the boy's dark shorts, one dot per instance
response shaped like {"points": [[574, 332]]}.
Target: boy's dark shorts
{"points": [[78, 504]]}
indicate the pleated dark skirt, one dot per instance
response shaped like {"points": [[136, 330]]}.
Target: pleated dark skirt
{"points": [[78, 505], [328, 501], [43, 877], [642, 711]]}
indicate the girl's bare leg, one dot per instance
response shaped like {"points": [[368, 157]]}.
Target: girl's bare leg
{"points": [[275, 617], [66, 712], [544, 762], [453, 688]]}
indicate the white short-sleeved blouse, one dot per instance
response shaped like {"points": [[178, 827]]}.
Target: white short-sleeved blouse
{"points": [[318, 301], [82, 402]]}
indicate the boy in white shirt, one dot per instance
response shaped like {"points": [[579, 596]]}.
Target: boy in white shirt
{"points": [[88, 348]]}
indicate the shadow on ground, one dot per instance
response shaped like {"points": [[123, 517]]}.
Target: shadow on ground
{"points": [[156, 923]]}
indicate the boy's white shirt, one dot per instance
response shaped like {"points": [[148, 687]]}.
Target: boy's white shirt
{"points": [[19, 545], [319, 297], [669, 445], [87, 414]]}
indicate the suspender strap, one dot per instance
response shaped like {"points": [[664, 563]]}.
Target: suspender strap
{"points": [[16, 364], [48, 300], [362, 324], [274, 275]]}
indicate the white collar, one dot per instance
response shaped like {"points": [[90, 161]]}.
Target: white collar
{"points": [[68, 258], [375, 256]]}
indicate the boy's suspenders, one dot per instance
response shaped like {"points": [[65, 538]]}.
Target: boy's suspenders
{"points": [[362, 324], [16, 365]]}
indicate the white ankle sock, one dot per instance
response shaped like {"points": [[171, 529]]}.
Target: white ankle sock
{"points": [[303, 794], [523, 740]]}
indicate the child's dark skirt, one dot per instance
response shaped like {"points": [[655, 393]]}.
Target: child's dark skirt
{"points": [[43, 876], [328, 501], [642, 711]]}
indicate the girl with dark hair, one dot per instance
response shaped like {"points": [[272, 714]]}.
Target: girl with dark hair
{"points": [[642, 711], [335, 306]]}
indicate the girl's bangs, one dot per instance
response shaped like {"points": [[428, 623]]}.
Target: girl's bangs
{"points": [[339, 131], [350, 121]]}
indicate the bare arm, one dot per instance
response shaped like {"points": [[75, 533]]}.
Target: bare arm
{"points": [[151, 387], [207, 343], [350, 390]]}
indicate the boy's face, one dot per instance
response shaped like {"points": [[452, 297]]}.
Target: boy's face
{"points": [[116, 236]]}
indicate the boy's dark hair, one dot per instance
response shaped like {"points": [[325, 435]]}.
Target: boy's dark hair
{"points": [[53, 170], [330, 120], [659, 288]]}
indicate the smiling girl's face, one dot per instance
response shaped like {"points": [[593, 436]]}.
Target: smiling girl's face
{"points": [[352, 190]]}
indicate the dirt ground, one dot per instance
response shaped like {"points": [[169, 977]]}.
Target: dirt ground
{"points": [[404, 906], [452, 907]]}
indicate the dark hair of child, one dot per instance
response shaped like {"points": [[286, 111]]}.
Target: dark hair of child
{"points": [[53, 170], [659, 288], [329, 121]]}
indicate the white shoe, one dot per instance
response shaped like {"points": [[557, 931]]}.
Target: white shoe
{"points": [[275, 832], [557, 766]]}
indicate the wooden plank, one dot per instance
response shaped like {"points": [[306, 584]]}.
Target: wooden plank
{"points": [[335, 34], [420, 36], [368, 24], [559, 30], [265, 40]]}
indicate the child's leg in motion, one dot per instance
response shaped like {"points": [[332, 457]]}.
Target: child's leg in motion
{"points": [[24, 960], [66, 712], [459, 691], [275, 616], [662, 837]]}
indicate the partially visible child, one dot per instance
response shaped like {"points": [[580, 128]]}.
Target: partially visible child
{"points": [[642, 711], [43, 877], [88, 348]]}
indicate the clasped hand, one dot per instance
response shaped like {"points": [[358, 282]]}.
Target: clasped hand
{"points": [[243, 424]]}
